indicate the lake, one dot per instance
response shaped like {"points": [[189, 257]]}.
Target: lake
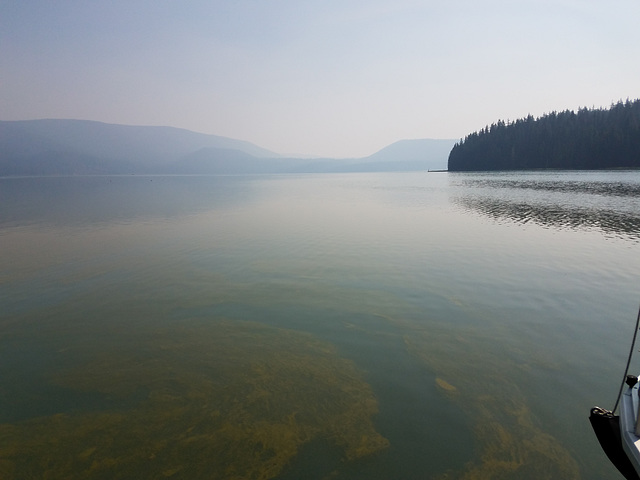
{"points": [[341, 326]]}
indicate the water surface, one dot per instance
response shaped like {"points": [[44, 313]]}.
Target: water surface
{"points": [[413, 325]]}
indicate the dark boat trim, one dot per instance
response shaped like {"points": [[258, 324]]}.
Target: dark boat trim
{"points": [[606, 426]]}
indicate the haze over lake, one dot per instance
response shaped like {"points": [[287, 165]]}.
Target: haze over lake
{"points": [[321, 326]]}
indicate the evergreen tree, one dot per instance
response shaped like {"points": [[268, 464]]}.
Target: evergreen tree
{"points": [[588, 139]]}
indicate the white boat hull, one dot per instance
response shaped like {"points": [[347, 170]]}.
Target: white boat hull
{"points": [[629, 425]]}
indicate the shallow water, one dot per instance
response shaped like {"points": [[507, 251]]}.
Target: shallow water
{"points": [[411, 325]]}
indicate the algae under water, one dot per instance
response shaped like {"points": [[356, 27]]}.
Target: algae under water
{"points": [[218, 400]]}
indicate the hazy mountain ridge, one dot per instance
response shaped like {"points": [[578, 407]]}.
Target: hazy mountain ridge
{"points": [[67, 147]]}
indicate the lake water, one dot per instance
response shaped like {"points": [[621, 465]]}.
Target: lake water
{"points": [[357, 326]]}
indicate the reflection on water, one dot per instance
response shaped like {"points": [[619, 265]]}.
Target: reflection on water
{"points": [[599, 187], [102, 200], [610, 222], [611, 205]]}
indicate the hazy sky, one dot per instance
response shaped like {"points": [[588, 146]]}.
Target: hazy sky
{"points": [[326, 77]]}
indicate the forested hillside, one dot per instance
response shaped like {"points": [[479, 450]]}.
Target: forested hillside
{"points": [[586, 139]]}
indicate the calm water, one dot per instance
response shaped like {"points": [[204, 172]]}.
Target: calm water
{"points": [[359, 326]]}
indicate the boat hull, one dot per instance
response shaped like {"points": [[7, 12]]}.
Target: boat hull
{"points": [[606, 426], [629, 408]]}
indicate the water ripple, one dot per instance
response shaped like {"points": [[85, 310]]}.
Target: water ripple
{"points": [[610, 222], [615, 188]]}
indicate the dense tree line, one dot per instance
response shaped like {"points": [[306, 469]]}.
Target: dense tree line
{"points": [[586, 139]]}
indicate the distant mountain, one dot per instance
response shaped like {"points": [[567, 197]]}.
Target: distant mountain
{"points": [[419, 154], [79, 147], [404, 155], [229, 161]]}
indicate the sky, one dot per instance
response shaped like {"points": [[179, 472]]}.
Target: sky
{"points": [[337, 78]]}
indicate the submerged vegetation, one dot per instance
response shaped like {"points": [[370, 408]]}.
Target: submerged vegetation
{"points": [[587, 139], [203, 397], [228, 400], [511, 444]]}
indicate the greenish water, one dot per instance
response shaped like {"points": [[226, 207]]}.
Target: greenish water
{"points": [[358, 326]]}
